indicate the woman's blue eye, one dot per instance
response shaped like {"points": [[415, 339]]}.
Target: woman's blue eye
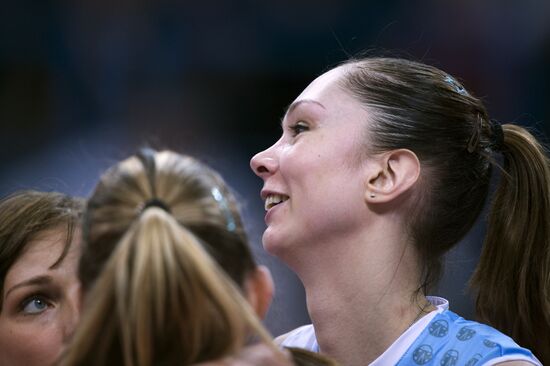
{"points": [[34, 305]]}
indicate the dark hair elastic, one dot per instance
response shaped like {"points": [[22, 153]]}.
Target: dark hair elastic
{"points": [[147, 157], [155, 202]]}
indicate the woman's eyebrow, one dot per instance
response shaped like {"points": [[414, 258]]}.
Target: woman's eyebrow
{"points": [[295, 104], [38, 280]]}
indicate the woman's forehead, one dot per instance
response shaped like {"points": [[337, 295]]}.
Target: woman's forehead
{"points": [[325, 82], [41, 252]]}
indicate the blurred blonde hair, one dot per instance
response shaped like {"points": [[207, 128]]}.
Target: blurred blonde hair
{"points": [[154, 293]]}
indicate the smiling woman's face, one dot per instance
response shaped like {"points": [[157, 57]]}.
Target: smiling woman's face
{"points": [[315, 172], [40, 304]]}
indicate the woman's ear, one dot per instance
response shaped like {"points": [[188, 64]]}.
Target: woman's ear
{"points": [[394, 174], [259, 290]]}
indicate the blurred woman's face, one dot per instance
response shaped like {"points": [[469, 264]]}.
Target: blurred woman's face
{"points": [[40, 301]]}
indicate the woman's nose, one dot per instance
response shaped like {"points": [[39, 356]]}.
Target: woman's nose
{"points": [[72, 313], [263, 163]]}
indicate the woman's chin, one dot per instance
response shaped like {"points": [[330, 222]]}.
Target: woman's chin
{"points": [[273, 244]]}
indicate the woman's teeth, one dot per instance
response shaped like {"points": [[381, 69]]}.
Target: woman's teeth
{"points": [[274, 199]]}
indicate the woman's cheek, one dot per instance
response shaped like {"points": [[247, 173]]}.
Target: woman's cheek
{"points": [[31, 345]]}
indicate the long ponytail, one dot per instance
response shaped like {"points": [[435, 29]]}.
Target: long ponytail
{"points": [[411, 106], [161, 299], [164, 254], [512, 279]]}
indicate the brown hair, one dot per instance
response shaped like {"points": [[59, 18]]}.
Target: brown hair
{"points": [[158, 230], [423, 109], [25, 214]]}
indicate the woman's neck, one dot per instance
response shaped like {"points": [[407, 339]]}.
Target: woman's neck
{"points": [[360, 296]]}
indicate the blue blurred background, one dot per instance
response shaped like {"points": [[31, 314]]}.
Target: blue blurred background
{"points": [[84, 83]]}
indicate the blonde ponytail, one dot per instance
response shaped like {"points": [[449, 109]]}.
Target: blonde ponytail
{"points": [[164, 300], [154, 294], [512, 279]]}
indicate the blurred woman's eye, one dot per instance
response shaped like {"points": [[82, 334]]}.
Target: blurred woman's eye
{"points": [[34, 305], [298, 128]]}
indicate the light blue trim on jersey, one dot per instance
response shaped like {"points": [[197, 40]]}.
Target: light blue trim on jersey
{"points": [[450, 340]]}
